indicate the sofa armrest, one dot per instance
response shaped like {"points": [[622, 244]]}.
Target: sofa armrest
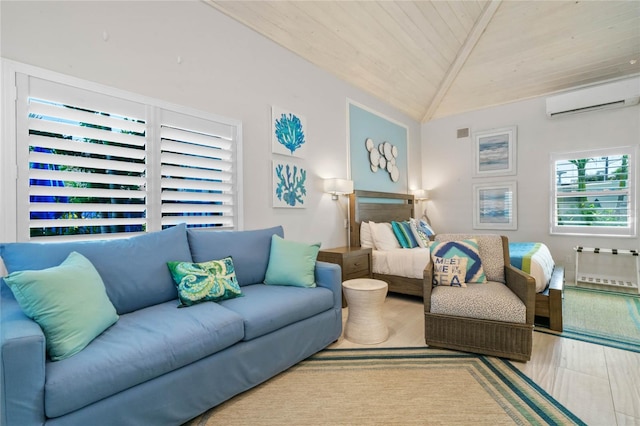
{"points": [[524, 286], [22, 366], [329, 275]]}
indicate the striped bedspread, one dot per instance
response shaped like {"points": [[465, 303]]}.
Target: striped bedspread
{"points": [[534, 259]]}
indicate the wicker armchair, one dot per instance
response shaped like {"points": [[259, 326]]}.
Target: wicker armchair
{"points": [[484, 331]]}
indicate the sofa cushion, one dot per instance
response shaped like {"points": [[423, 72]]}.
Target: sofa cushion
{"points": [[266, 308], [249, 250], [68, 301], [291, 263], [205, 282], [490, 301], [142, 345], [134, 270]]}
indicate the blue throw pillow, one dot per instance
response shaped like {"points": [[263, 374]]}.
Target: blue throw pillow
{"points": [[402, 231], [421, 231], [68, 301], [291, 263], [134, 269], [205, 282], [464, 248], [249, 250]]}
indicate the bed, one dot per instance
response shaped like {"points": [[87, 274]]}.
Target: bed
{"points": [[535, 259], [383, 207]]}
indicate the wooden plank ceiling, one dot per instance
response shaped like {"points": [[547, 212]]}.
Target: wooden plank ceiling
{"points": [[432, 59]]}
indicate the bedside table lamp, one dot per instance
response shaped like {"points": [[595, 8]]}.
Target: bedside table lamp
{"points": [[337, 187]]}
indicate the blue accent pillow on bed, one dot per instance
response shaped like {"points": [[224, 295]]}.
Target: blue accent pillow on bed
{"points": [[402, 231], [464, 248]]}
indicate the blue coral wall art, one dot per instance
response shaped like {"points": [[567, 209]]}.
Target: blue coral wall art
{"points": [[288, 133], [289, 184]]}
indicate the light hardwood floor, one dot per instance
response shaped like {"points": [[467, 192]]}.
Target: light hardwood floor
{"points": [[600, 385]]}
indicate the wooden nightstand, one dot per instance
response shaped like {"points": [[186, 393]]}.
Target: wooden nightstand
{"points": [[354, 261]]}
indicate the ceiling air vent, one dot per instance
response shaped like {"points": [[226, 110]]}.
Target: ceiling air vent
{"points": [[616, 94]]}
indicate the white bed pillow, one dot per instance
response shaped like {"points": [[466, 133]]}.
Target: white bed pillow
{"points": [[366, 239], [383, 236]]}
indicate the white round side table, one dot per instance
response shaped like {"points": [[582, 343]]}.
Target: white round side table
{"points": [[365, 298]]}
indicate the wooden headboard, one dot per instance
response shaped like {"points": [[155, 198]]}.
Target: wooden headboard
{"points": [[377, 207]]}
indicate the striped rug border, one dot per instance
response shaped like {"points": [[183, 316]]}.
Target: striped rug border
{"points": [[531, 395]]}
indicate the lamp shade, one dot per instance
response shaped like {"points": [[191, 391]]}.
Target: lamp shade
{"points": [[421, 194], [338, 186]]}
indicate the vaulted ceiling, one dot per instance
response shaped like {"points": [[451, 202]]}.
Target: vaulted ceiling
{"points": [[432, 59]]}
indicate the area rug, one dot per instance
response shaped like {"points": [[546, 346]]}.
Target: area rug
{"points": [[394, 386], [601, 317]]}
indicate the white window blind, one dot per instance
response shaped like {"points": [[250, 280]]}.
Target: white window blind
{"points": [[86, 162], [94, 165], [594, 192], [197, 160]]}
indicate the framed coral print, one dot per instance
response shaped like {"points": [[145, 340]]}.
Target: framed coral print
{"points": [[495, 152], [288, 133], [495, 205], [289, 184]]}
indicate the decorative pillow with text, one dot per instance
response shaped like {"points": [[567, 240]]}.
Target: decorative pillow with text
{"points": [[449, 271], [463, 248]]}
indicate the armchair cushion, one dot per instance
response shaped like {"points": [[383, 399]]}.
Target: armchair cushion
{"points": [[489, 301]]}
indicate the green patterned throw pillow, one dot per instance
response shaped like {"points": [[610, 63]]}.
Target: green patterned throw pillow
{"points": [[210, 281]]}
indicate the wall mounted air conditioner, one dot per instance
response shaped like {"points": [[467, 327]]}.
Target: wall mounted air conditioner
{"points": [[616, 94]]}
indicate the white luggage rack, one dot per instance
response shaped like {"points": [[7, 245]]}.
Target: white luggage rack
{"points": [[608, 280]]}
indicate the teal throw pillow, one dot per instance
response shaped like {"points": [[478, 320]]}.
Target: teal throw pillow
{"points": [[210, 281], [464, 248], [291, 263], [403, 233], [68, 301]]}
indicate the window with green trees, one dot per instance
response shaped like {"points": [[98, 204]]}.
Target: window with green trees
{"points": [[593, 192], [94, 165]]}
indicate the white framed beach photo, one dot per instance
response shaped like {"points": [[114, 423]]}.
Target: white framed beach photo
{"points": [[494, 152], [495, 205]]}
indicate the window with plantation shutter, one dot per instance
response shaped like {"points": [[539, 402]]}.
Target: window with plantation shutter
{"points": [[594, 192], [86, 162], [91, 164], [197, 159]]}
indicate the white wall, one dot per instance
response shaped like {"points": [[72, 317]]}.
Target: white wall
{"points": [[448, 165], [226, 69]]}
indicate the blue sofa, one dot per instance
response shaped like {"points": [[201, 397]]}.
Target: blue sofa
{"points": [[160, 365]]}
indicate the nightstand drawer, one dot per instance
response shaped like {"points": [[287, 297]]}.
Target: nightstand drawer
{"points": [[355, 265]]}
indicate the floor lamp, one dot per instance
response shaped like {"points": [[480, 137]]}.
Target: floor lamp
{"points": [[337, 187]]}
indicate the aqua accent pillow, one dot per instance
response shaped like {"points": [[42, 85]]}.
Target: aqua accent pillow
{"points": [[403, 233], [205, 282], [464, 248], [291, 263], [68, 301]]}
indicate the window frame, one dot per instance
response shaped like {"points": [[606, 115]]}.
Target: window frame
{"points": [[595, 231], [14, 171]]}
